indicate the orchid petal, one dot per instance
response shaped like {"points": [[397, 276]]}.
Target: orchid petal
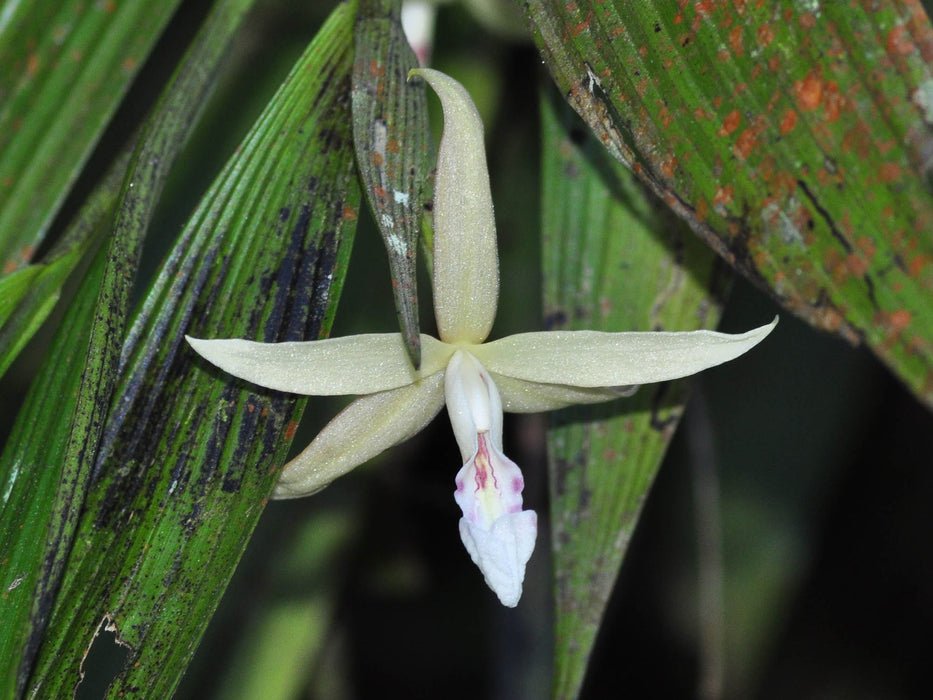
{"points": [[366, 427], [358, 364], [466, 263], [473, 403], [502, 552], [520, 396], [498, 535], [594, 359]]}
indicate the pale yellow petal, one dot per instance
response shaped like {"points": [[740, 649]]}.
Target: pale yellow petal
{"points": [[466, 263], [356, 364], [594, 359], [520, 396], [366, 427]]}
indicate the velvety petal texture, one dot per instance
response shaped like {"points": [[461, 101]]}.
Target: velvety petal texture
{"points": [[466, 261], [358, 364], [595, 359], [364, 429]]}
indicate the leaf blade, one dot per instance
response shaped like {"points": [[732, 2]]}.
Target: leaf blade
{"points": [[801, 167], [607, 267]]}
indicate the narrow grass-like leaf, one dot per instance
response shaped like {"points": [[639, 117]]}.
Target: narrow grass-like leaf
{"points": [[189, 455], [34, 465], [27, 306], [65, 67], [616, 260], [794, 137], [393, 146]]}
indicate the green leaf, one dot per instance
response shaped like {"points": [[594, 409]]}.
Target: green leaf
{"points": [[793, 137], [189, 455], [615, 259], [24, 307], [394, 148], [82, 367], [66, 66]]}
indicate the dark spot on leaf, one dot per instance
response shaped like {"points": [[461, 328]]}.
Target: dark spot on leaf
{"points": [[557, 319]]}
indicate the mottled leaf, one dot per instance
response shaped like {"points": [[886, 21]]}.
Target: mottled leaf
{"points": [[46, 465], [794, 137], [393, 146], [189, 455]]}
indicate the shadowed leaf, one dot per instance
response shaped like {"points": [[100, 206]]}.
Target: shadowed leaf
{"points": [[614, 259]]}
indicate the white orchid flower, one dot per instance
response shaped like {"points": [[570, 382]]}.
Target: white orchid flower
{"points": [[528, 372]]}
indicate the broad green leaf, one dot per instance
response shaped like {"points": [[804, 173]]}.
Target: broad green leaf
{"points": [[614, 259], [189, 455], [65, 68], [393, 148], [793, 137], [82, 366]]}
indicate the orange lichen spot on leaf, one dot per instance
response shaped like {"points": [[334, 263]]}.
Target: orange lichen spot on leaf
{"points": [[857, 265], [899, 42], [129, 64], [703, 7], [700, 113], [393, 146], [774, 64], [723, 56], [701, 209], [807, 21], [717, 101], [858, 140], [32, 64], [835, 264], [745, 144], [898, 320], [918, 263], [668, 166], [290, 429], [349, 213], [376, 69], [723, 196], [764, 35], [809, 91], [7, 181], [788, 121], [833, 101], [643, 51], [866, 246], [580, 27], [730, 123], [736, 42], [889, 172]]}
